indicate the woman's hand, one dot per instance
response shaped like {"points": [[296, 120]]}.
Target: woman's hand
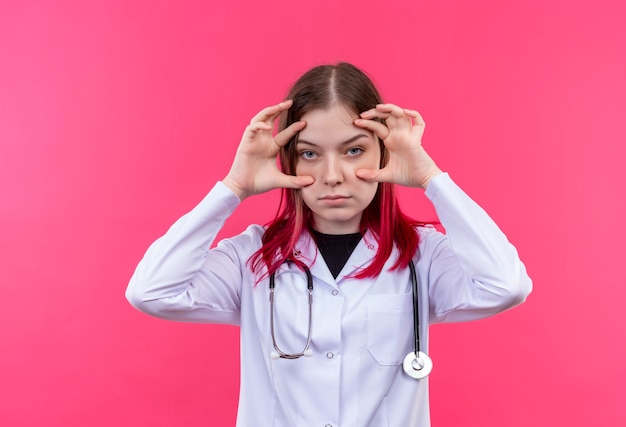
{"points": [[408, 164], [254, 168]]}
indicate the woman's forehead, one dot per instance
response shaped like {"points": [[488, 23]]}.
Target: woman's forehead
{"points": [[335, 123]]}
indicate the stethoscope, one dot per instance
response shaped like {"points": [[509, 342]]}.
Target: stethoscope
{"points": [[417, 364]]}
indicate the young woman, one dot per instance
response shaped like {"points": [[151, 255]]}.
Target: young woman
{"points": [[335, 296]]}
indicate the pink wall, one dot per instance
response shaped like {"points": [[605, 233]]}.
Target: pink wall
{"points": [[117, 116]]}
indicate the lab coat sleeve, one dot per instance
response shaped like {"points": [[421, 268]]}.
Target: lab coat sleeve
{"points": [[474, 271], [181, 278]]}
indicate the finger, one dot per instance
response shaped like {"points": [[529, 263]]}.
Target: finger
{"points": [[253, 128], [269, 114], [374, 175], [398, 117], [385, 111], [392, 109], [284, 136], [296, 182], [374, 113], [379, 129], [417, 118]]}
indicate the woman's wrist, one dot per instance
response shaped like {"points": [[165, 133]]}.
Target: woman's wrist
{"points": [[240, 193], [435, 172]]}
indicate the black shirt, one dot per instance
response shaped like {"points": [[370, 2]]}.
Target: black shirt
{"points": [[336, 248]]}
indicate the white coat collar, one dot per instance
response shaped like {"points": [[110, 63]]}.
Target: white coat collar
{"points": [[307, 252]]}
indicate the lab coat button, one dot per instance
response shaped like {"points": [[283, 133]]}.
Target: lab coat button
{"points": [[328, 425], [330, 355], [335, 292]]}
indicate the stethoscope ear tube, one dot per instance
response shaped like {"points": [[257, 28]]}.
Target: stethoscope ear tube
{"points": [[417, 364]]}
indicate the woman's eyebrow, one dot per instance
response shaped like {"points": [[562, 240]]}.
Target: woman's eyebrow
{"points": [[347, 141]]}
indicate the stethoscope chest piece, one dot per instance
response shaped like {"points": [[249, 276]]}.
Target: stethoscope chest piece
{"points": [[417, 365]]}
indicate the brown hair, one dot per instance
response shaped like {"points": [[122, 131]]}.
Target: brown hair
{"points": [[320, 88]]}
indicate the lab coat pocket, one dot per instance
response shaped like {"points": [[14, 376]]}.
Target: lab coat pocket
{"points": [[389, 327]]}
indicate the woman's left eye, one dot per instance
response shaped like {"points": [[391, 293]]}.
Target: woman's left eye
{"points": [[354, 151]]}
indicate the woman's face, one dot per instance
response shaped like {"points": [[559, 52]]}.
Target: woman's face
{"points": [[330, 149]]}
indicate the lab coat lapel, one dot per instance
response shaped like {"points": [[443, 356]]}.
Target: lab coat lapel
{"points": [[361, 256], [306, 251]]}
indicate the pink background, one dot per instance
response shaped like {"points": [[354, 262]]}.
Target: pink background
{"points": [[116, 117]]}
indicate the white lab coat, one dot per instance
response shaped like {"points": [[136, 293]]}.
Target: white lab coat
{"points": [[362, 328]]}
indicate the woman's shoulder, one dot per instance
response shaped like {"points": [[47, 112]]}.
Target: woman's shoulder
{"points": [[429, 236], [426, 230], [248, 240]]}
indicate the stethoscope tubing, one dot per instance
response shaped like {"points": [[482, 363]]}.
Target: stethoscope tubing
{"points": [[281, 354], [417, 364], [416, 317]]}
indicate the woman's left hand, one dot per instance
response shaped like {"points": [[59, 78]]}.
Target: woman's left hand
{"points": [[408, 164]]}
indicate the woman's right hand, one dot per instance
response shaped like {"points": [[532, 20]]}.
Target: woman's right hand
{"points": [[254, 169]]}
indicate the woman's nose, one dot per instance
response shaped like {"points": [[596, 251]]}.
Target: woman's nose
{"points": [[332, 172]]}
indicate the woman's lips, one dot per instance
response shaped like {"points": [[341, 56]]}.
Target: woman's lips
{"points": [[334, 196], [334, 199]]}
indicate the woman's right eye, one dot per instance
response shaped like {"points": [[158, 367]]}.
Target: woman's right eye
{"points": [[307, 154]]}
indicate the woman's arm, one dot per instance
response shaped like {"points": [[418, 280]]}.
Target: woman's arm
{"points": [[474, 270], [172, 281], [179, 278]]}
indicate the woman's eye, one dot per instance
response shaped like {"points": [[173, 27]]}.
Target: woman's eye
{"points": [[307, 154], [354, 151]]}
